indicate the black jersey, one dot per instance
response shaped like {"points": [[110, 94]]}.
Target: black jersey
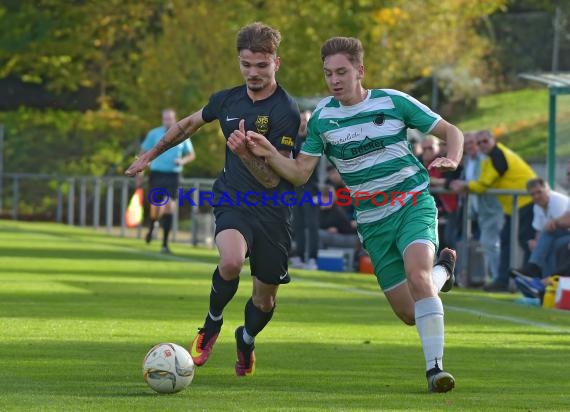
{"points": [[277, 118]]}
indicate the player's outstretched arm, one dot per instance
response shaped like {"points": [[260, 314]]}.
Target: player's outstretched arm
{"points": [[454, 138], [181, 131], [297, 171]]}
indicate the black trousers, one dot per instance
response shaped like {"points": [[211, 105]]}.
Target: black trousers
{"points": [[563, 260]]}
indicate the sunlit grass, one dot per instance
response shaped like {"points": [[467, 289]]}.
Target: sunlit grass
{"points": [[78, 311], [520, 120]]}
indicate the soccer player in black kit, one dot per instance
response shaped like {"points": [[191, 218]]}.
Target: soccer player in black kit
{"points": [[261, 232]]}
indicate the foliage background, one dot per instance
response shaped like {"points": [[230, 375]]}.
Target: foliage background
{"points": [[82, 81]]}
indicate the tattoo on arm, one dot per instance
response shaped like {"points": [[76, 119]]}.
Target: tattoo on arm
{"points": [[261, 171], [181, 130], [173, 136]]}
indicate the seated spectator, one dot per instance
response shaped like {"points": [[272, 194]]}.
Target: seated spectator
{"points": [[555, 240], [563, 253], [563, 260], [335, 182], [335, 228], [333, 178], [548, 205]]}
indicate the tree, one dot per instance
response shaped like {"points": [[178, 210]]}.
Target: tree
{"points": [[68, 45], [144, 56]]}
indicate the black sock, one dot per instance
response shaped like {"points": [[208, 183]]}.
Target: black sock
{"points": [[166, 226], [221, 293], [255, 318], [151, 226]]}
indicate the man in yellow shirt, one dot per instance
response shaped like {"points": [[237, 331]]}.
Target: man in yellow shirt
{"points": [[503, 169]]}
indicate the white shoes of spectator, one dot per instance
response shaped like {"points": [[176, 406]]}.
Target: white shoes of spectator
{"points": [[311, 265], [297, 263]]}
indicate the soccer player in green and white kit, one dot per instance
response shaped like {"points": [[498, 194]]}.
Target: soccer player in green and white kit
{"points": [[363, 133]]}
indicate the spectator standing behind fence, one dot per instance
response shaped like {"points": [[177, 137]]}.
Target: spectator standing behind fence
{"points": [[416, 148], [485, 209], [503, 169], [449, 202], [431, 151], [305, 215], [415, 138], [165, 177]]}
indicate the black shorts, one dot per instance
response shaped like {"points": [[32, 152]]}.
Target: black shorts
{"points": [[168, 182], [268, 243]]}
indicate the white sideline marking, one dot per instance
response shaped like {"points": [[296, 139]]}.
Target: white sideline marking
{"points": [[512, 319], [473, 312]]}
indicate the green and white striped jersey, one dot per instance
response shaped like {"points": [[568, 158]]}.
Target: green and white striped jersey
{"points": [[367, 142]]}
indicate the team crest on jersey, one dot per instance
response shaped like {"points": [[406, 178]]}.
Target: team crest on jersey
{"points": [[379, 119], [262, 124], [287, 141]]}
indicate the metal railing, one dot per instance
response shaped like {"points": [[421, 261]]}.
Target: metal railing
{"points": [[466, 223], [86, 200], [76, 196]]}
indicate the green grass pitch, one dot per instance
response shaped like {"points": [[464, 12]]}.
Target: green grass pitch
{"points": [[79, 310]]}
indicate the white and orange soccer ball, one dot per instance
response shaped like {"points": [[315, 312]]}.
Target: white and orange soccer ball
{"points": [[168, 368]]}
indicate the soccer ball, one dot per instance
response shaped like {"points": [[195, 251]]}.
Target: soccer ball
{"points": [[168, 368]]}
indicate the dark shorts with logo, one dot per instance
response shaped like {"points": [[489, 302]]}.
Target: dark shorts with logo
{"points": [[164, 181], [268, 243]]}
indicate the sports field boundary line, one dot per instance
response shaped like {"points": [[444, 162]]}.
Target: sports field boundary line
{"points": [[471, 311], [512, 319], [475, 312]]}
